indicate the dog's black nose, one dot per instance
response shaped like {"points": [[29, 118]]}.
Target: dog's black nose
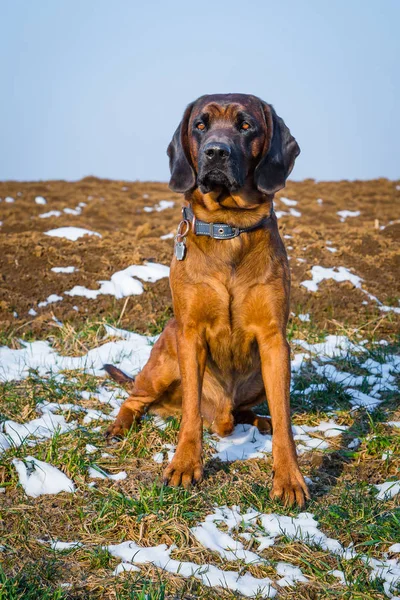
{"points": [[215, 151]]}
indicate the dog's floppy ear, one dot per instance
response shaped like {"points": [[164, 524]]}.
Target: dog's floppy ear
{"points": [[183, 177], [276, 164]]}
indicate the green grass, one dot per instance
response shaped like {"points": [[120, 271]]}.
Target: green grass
{"points": [[141, 509]]}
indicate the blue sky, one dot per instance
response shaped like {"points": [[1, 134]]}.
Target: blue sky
{"points": [[96, 87]]}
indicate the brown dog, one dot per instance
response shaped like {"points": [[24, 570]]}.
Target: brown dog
{"points": [[226, 350]]}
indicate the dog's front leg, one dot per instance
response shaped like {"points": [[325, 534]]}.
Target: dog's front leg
{"points": [[187, 466], [289, 484]]}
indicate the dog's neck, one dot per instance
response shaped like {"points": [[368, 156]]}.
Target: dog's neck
{"points": [[242, 209]]}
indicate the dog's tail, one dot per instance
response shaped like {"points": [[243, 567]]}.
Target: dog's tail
{"points": [[118, 375]]}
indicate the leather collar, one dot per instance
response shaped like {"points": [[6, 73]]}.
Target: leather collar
{"points": [[220, 231]]}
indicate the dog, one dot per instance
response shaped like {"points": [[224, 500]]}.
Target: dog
{"points": [[225, 351]]}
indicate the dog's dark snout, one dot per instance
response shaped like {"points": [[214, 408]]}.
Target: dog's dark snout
{"points": [[217, 151]]}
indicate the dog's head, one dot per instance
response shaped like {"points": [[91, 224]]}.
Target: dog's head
{"points": [[228, 141]]}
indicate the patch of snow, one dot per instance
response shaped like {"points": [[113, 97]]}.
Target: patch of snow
{"points": [[343, 214], [167, 236], [73, 211], [294, 212], [339, 274], [387, 490], [290, 575], [51, 213], [38, 477], [129, 354], [123, 283], [339, 575], [9, 200], [304, 317], [359, 399], [354, 444], [209, 536], [95, 415], [342, 274], [97, 473], [288, 202], [42, 428], [246, 442], [394, 548], [70, 233], [40, 200], [32, 312], [158, 457], [386, 455], [209, 575], [61, 546], [123, 567], [328, 428], [50, 300], [63, 269], [319, 201], [162, 205], [331, 249], [394, 424], [90, 449]]}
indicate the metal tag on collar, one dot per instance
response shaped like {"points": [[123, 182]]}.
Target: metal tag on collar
{"points": [[180, 242]]}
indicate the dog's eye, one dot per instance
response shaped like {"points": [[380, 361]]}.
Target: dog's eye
{"points": [[200, 126], [245, 126]]}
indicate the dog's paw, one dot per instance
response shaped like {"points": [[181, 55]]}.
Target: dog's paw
{"points": [[290, 487], [264, 425], [122, 424], [184, 470], [116, 430]]}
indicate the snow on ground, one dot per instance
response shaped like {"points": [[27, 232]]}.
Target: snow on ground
{"points": [[292, 211], [264, 529], [13, 434], [70, 233], [381, 376], [340, 274], [63, 269], [51, 213], [38, 477], [304, 317], [162, 205], [96, 473], [124, 283], [61, 546], [129, 353], [387, 490], [167, 236], [40, 200], [209, 575], [343, 214], [246, 442], [50, 300], [287, 201], [9, 200]]}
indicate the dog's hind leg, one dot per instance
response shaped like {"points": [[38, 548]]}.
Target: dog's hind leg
{"points": [[160, 373]]}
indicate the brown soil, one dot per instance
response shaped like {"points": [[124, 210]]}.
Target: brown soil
{"points": [[130, 236]]}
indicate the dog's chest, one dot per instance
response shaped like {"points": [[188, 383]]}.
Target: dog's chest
{"points": [[231, 343]]}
